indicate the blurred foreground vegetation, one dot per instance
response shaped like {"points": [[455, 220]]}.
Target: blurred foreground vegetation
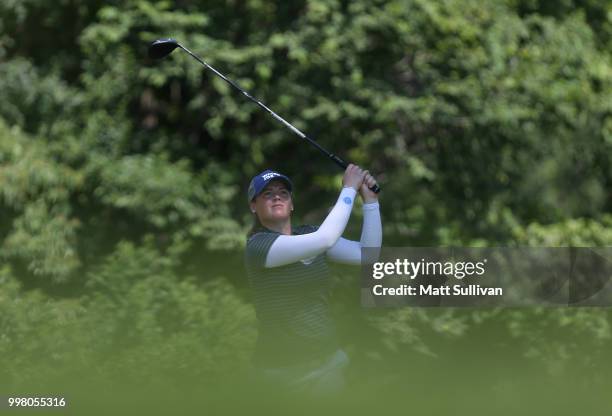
{"points": [[123, 181]]}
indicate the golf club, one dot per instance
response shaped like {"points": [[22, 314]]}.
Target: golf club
{"points": [[163, 47]]}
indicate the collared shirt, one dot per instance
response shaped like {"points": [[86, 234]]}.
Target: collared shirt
{"points": [[292, 304]]}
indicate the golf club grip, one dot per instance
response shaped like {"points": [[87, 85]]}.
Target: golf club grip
{"points": [[340, 162]]}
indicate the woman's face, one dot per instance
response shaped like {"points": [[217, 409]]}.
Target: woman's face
{"points": [[274, 203]]}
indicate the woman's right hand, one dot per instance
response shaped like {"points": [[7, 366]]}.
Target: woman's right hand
{"points": [[353, 177]]}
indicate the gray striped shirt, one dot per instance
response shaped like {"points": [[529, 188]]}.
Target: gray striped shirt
{"points": [[292, 304]]}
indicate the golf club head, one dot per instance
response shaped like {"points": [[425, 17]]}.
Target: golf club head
{"points": [[162, 47]]}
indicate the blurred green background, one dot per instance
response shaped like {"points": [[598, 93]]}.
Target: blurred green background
{"points": [[122, 181]]}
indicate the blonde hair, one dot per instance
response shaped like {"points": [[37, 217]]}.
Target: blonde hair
{"points": [[256, 227]]}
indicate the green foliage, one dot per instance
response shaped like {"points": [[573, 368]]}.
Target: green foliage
{"points": [[579, 232], [140, 323], [144, 314], [555, 340], [37, 189], [33, 100], [487, 123]]}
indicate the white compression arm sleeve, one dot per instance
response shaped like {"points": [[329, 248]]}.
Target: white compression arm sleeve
{"points": [[288, 249], [349, 252]]}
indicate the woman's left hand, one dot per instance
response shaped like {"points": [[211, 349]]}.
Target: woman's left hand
{"points": [[367, 195]]}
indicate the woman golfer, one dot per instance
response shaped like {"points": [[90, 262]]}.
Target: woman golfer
{"points": [[287, 268]]}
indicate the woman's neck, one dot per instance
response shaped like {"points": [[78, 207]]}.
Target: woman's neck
{"points": [[283, 227]]}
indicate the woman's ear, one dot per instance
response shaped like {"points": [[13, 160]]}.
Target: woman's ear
{"points": [[252, 206]]}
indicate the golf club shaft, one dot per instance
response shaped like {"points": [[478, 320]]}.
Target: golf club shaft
{"points": [[338, 160]]}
